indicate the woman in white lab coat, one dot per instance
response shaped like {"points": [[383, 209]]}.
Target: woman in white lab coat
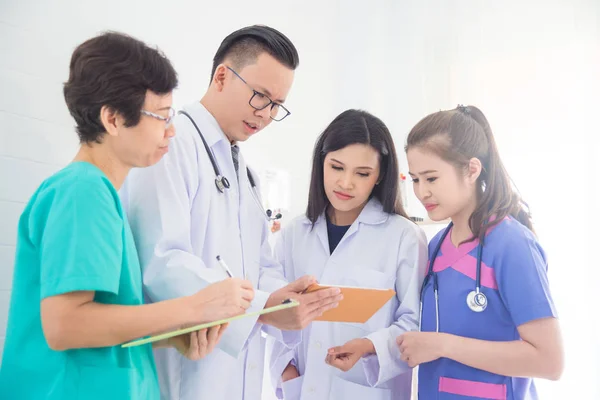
{"points": [[355, 233]]}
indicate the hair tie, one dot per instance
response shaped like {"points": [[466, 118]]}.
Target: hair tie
{"points": [[464, 109]]}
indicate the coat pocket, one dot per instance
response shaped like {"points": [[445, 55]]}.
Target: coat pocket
{"points": [[342, 389], [292, 389]]}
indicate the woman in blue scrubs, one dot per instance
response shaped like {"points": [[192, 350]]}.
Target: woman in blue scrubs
{"points": [[77, 288], [488, 322]]}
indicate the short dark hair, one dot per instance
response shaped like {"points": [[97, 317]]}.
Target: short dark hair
{"points": [[356, 127], [114, 70], [245, 45]]}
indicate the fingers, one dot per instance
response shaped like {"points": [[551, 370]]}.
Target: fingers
{"points": [[213, 338], [301, 284], [322, 297], [247, 294], [247, 285], [323, 305], [202, 342], [244, 305], [336, 350], [193, 348], [341, 363], [399, 340]]}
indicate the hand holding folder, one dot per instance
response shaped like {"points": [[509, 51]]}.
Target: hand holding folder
{"points": [[139, 342], [359, 304]]}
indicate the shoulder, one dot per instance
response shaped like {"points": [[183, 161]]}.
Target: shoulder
{"points": [[434, 242], [511, 234], [79, 181], [403, 227], [298, 224]]}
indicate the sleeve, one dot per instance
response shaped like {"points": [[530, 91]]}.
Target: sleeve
{"points": [[523, 281], [386, 363], [272, 278], [159, 204], [81, 240], [283, 353]]}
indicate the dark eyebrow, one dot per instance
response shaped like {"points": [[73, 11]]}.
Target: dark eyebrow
{"points": [[268, 94], [362, 167], [429, 171]]}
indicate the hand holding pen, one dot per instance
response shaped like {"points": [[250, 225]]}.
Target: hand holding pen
{"points": [[220, 300]]}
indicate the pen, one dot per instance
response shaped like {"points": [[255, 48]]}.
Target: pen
{"points": [[225, 267]]}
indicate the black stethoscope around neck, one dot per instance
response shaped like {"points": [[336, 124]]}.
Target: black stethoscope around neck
{"points": [[476, 299], [221, 182]]}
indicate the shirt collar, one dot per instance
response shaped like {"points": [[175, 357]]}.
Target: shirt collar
{"points": [[207, 123]]}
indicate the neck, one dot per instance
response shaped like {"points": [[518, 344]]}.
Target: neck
{"points": [[209, 102], [101, 157], [344, 218], [461, 230]]}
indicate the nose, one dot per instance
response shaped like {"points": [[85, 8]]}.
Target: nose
{"points": [[170, 131], [422, 191], [345, 181], [265, 114]]}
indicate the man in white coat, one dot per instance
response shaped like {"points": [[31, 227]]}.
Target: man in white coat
{"points": [[201, 201]]}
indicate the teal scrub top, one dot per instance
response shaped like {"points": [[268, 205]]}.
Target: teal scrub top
{"points": [[73, 235]]}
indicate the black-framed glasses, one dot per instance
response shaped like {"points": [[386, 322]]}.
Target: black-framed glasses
{"points": [[168, 120], [260, 101]]}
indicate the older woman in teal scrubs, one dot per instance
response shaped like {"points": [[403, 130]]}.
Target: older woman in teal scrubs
{"points": [[77, 289]]}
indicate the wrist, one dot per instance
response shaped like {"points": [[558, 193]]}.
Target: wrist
{"points": [[191, 313], [445, 345], [367, 347]]}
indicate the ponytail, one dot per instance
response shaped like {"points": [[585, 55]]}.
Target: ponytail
{"points": [[459, 135]]}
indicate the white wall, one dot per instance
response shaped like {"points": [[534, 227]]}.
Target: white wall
{"points": [[531, 66]]}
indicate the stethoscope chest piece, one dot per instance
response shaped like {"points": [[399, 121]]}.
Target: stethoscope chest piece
{"points": [[477, 301], [222, 183]]}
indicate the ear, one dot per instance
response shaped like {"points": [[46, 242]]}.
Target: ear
{"points": [[110, 120], [219, 77], [474, 170]]}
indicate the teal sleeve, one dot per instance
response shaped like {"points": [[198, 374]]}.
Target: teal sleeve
{"points": [[81, 238]]}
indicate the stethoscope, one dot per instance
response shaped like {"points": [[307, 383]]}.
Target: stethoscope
{"points": [[222, 183], [476, 299]]}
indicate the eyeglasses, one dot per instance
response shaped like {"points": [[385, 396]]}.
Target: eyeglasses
{"points": [[168, 120], [260, 101]]}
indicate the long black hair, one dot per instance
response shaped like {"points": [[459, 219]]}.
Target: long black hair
{"points": [[356, 127]]}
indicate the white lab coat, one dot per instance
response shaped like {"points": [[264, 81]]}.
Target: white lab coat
{"points": [[181, 222], [379, 250]]}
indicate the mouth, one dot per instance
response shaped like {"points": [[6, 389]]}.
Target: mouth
{"points": [[430, 206], [342, 196], [251, 127]]}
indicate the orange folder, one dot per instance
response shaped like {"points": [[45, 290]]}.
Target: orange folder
{"points": [[358, 304]]}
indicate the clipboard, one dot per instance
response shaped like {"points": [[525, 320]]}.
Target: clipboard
{"points": [[285, 305], [358, 305]]}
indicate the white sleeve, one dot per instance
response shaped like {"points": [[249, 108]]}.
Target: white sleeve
{"points": [[386, 363], [158, 201], [283, 352]]}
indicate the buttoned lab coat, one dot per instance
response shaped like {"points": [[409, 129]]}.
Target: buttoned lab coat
{"points": [[181, 222], [381, 251]]}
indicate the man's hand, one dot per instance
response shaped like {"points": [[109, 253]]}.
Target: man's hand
{"points": [[312, 305], [345, 357]]}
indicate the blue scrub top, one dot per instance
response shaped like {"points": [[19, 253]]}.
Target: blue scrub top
{"points": [[73, 236], [514, 279]]}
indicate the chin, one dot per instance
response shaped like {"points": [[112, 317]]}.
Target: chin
{"points": [[437, 215], [343, 206]]}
